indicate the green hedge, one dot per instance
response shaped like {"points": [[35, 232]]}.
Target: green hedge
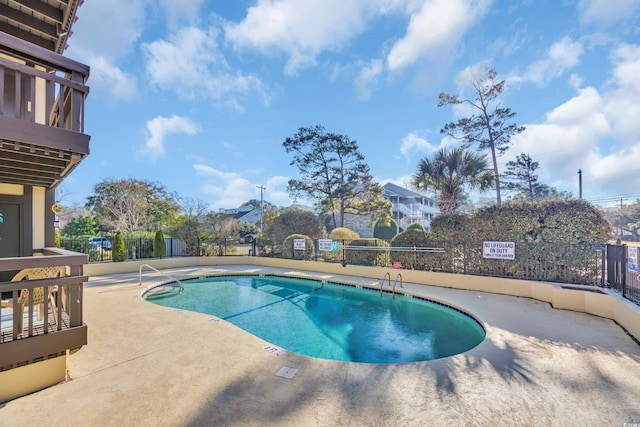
{"points": [[385, 229], [554, 240], [413, 238], [290, 253], [368, 257]]}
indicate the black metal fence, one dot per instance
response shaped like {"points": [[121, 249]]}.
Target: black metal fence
{"points": [[100, 249], [622, 271], [551, 262], [564, 263]]}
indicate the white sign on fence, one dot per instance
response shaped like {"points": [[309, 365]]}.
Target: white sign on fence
{"points": [[325, 244], [499, 250], [632, 259], [299, 244]]}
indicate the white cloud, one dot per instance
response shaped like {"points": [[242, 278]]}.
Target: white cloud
{"points": [[623, 101], [276, 191], [569, 137], [561, 56], [414, 144], [102, 27], [578, 134], [112, 79], [183, 12], [301, 29], [606, 13], [587, 103], [367, 78], [190, 64], [232, 189], [104, 37], [161, 127], [434, 30]]}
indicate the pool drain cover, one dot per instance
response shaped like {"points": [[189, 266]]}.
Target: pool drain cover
{"points": [[286, 372]]}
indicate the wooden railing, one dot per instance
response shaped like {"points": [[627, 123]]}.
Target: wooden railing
{"points": [[63, 80], [40, 337]]}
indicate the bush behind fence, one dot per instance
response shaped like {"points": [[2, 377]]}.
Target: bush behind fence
{"points": [[553, 262]]}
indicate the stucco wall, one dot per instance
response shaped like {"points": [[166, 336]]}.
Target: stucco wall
{"points": [[29, 378]]}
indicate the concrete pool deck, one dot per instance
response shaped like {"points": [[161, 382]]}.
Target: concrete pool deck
{"points": [[147, 365]]}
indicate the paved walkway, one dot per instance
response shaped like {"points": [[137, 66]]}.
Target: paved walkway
{"points": [[147, 365]]}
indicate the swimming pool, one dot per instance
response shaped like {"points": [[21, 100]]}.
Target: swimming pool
{"points": [[328, 320]]}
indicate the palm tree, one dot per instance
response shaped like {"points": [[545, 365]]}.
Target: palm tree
{"points": [[449, 172]]}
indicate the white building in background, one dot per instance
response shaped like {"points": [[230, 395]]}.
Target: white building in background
{"points": [[409, 206]]}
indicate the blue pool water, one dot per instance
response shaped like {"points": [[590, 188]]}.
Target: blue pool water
{"points": [[327, 320]]}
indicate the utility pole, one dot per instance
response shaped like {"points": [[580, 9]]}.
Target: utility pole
{"points": [[262, 188], [580, 182]]}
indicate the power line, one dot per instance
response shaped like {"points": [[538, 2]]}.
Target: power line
{"points": [[609, 199], [615, 197]]}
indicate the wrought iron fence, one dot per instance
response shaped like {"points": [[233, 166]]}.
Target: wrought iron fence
{"points": [[552, 262], [100, 249], [622, 270]]}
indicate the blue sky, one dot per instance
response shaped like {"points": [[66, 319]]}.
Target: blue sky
{"points": [[199, 95]]}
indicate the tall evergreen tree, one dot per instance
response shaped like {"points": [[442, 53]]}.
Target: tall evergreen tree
{"points": [[487, 128], [521, 177], [333, 174]]}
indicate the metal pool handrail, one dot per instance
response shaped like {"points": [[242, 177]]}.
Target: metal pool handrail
{"points": [[395, 282], [157, 271], [387, 274]]}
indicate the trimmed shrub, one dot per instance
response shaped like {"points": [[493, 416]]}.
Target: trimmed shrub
{"points": [[289, 252], [56, 240], [118, 251], [367, 257], [159, 247], [385, 229], [413, 238], [416, 226], [343, 233]]}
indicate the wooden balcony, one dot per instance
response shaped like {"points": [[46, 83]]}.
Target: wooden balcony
{"points": [[42, 96], [54, 333]]}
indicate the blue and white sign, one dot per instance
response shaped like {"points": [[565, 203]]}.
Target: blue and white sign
{"points": [[499, 250], [632, 259], [299, 244], [325, 244]]}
